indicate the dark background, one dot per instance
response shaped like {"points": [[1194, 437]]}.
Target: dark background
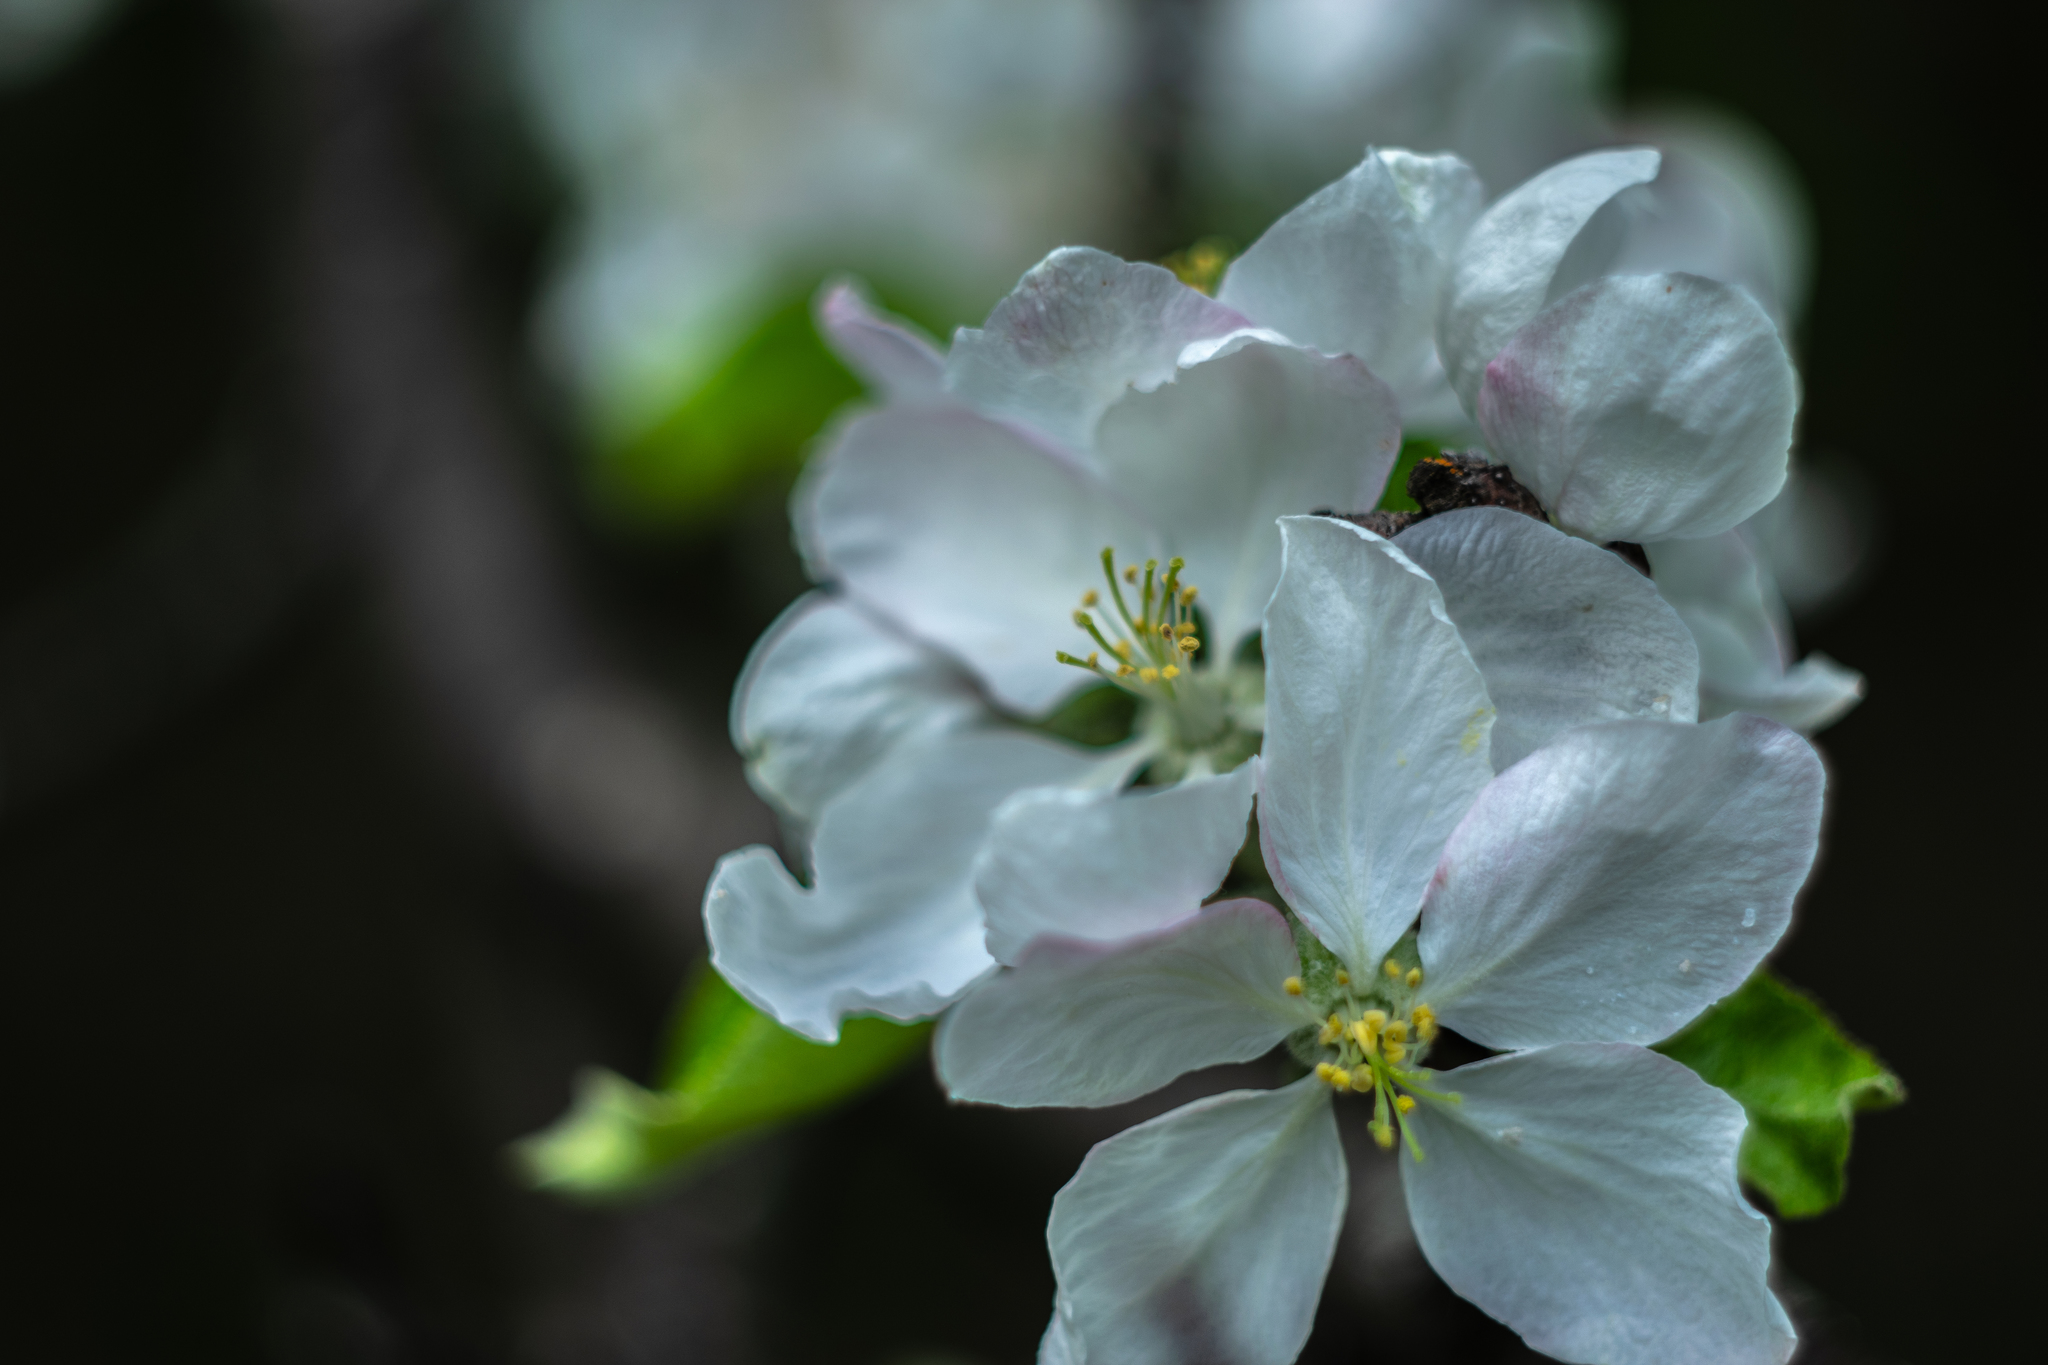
{"points": [[292, 949]]}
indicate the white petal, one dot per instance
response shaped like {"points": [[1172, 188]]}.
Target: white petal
{"points": [[1057, 1346], [828, 691], [1104, 865], [890, 354], [1358, 268], [1203, 1235], [1585, 1195], [970, 535], [1725, 596], [1237, 442], [1079, 1023], [1504, 270], [1564, 632], [1079, 329], [1376, 735], [1611, 886], [1645, 407], [890, 925]]}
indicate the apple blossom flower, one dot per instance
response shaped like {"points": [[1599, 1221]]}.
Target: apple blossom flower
{"points": [[1588, 899]]}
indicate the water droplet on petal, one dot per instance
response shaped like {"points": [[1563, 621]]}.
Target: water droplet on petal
{"points": [[1749, 918], [1589, 971]]}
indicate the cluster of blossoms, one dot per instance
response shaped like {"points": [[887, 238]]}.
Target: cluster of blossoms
{"points": [[1484, 793]]}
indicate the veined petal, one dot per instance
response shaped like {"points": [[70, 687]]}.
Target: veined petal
{"points": [[1564, 632], [827, 691], [1614, 884], [1724, 595], [1585, 1195], [1079, 1023], [890, 925], [971, 536], [1079, 329], [1376, 735], [1237, 442], [888, 353], [1503, 272], [1358, 268], [1204, 1234], [1104, 865], [1645, 407]]}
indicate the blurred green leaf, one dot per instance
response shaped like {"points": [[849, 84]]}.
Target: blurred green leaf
{"points": [[1098, 717], [1800, 1080], [1413, 452], [746, 425], [731, 1071]]}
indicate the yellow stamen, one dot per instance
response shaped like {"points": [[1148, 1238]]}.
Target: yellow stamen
{"points": [[1405, 1103], [1090, 598], [1333, 1029], [1425, 1023], [1292, 985], [1083, 619], [1094, 659], [1324, 1071], [1340, 1078], [1123, 649], [1130, 573], [1343, 977], [1376, 1018], [1383, 1135], [1189, 644], [1187, 595], [1394, 1051], [1363, 1032], [1397, 1032], [1124, 670], [1414, 977], [1170, 672], [1393, 970], [1149, 675]]}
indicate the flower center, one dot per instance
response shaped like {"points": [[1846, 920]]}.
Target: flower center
{"points": [[1147, 642], [1373, 1043]]}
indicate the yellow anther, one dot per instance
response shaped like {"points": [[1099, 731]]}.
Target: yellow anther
{"points": [[1124, 670], [1376, 1018], [1405, 1103], [1187, 595], [1333, 1029], [1094, 659], [1393, 1051], [1292, 985], [1383, 1134], [1340, 1078], [1414, 977], [1170, 672], [1425, 1023], [1343, 977], [1397, 1032], [1123, 649], [1090, 598], [1148, 675], [1130, 573], [1324, 1071], [1393, 970], [1166, 629], [1189, 644], [1362, 1031]]}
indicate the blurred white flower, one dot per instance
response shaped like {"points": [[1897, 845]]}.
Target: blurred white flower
{"points": [[726, 154], [1591, 899]]}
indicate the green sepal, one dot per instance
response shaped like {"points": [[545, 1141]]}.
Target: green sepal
{"points": [[1800, 1081], [732, 1072]]}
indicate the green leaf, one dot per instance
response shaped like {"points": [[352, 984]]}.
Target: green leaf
{"points": [[732, 1071], [1414, 451], [1801, 1082]]}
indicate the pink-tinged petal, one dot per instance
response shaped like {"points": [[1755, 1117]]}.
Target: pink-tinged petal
{"points": [[887, 352]]}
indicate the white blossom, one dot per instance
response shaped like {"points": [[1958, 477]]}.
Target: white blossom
{"points": [[1586, 901]]}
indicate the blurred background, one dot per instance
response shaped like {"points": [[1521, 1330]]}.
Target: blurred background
{"points": [[401, 402]]}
